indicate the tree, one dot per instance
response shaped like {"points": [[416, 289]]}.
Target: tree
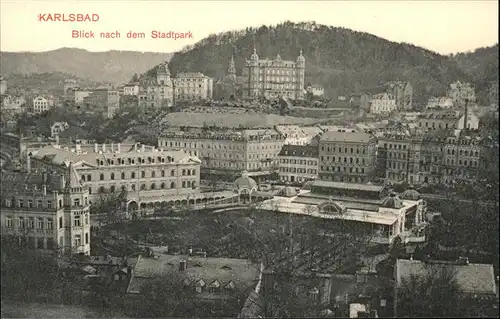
{"points": [[435, 294]]}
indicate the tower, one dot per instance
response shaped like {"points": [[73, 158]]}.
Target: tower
{"points": [[163, 74], [76, 213], [253, 76], [300, 66], [231, 71]]}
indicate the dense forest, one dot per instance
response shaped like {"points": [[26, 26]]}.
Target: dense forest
{"points": [[342, 60]]}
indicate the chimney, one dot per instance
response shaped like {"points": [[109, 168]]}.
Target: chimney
{"points": [[119, 148], [96, 147], [78, 149], [182, 265], [104, 147], [112, 147], [143, 148], [57, 139], [62, 183], [44, 188]]}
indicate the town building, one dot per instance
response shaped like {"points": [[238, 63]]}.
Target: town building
{"points": [[69, 84], [460, 92], [193, 86], [48, 210], [158, 92], [468, 121], [229, 87], [382, 103], [77, 95], [438, 120], [315, 90], [272, 79], [41, 104], [146, 175], [295, 135], [225, 153], [57, 128], [131, 89], [298, 163], [104, 101], [218, 282], [476, 282], [347, 156], [402, 92], [442, 102], [12, 104], [3, 85], [366, 207]]}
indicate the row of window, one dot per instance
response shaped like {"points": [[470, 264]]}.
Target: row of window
{"points": [[112, 176], [300, 162], [78, 240], [345, 169], [464, 152], [298, 170], [351, 160], [152, 186], [345, 150], [396, 146], [49, 224], [140, 160]]}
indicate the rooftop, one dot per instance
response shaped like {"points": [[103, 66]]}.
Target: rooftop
{"points": [[348, 186], [354, 137], [471, 278]]}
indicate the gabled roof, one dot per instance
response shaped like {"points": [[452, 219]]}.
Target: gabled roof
{"points": [[357, 137]]}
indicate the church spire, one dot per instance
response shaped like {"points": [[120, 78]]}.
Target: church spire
{"points": [[232, 68]]}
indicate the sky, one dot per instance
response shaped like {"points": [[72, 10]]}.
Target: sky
{"points": [[442, 26]]}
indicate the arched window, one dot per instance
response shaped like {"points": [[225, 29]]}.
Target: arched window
{"points": [[162, 173], [101, 177], [132, 175], [85, 201], [188, 183], [194, 172], [189, 172], [112, 176], [153, 174], [83, 178], [153, 186], [172, 185], [123, 175], [124, 188], [132, 187], [162, 185], [143, 187], [193, 185], [60, 203], [112, 189], [143, 174], [89, 178], [102, 189], [183, 172], [172, 173]]}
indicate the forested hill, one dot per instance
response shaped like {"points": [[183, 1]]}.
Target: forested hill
{"points": [[340, 59], [481, 66]]}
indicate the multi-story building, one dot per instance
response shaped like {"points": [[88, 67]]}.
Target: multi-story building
{"points": [[77, 95], [131, 89], [438, 120], [274, 78], [443, 102], [57, 128], [460, 92], [69, 84], [315, 90], [193, 86], [462, 156], [13, 104], [294, 134], [298, 163], [402, 93], [159, 92], [347, 156], [41, 104], [228, 152], [104, 101], [382, 103], [145, 174], [47, 209], [3, 85], [397, 153], [468, 121]]}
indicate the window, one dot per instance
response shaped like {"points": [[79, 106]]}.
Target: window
{"points": [[132, 175], [172, 173], [39, 223], [86, 238], [77, 201], [49, 224], [143, 174], [49, 204], [153, 186], [101, 177], [86, 219], [123, 175], [21, 222], [78, 240], [20, 203], [162, 173], [31, 223], [112, 189], [89, 177], [153, 174], [76, 221], [60, 222], [112, 176], [9, 221], [30, 203]]}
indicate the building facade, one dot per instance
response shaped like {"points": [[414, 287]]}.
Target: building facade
{"points": [[104, 101], [316, 90], [460, 92], [230, 151], [193, 86], [298, 163], [347, 156], [402, 93], [131, 89], [159, 92], [439, 103], [57, 128], [144, 174], [272, 79], [41, 104], [47, 210], [382, 103]]}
